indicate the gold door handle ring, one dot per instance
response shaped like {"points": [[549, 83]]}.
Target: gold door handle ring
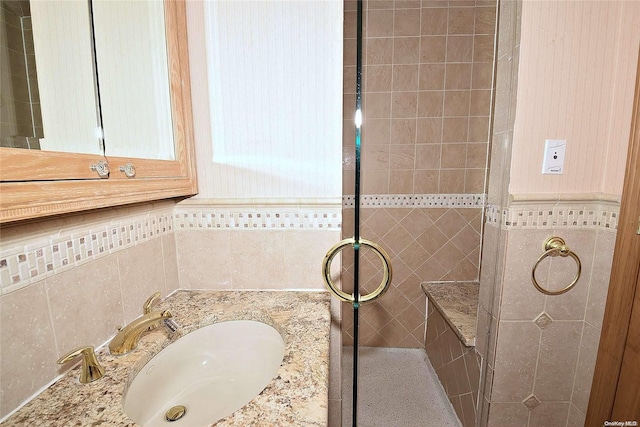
{"points": [[386, 279], [554, 246]]}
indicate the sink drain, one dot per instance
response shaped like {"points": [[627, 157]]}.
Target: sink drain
{"points": [[175, 413]]}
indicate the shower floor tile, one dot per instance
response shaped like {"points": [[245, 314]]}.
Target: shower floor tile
{"points": [[397, 387]]}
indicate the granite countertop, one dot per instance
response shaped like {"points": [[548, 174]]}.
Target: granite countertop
{"points": [[297, 396], [458, 304]]}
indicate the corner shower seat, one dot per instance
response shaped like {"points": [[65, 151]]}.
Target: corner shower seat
{"points": [[457, 302]]}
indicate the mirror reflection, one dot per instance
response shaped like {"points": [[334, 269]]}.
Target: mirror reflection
{"points": [[20, 117], [102, 79]]}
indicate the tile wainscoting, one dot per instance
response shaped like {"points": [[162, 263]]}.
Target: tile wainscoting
{"points": [[71, 281], [540, 350]]}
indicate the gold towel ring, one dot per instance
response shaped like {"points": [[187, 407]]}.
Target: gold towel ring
{"points": [[386, 271], [554, 246]]}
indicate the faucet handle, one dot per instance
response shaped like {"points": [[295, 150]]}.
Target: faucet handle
{"points": [[91, 369], [146, 307]]}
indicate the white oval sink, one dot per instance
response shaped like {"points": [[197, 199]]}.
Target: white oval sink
{"points": [[212, 371]]}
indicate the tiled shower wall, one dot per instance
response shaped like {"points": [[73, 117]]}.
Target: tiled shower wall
{"points": [[427, 75]]}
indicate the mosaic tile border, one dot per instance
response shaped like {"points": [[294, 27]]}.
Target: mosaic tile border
{"points": [[36, 260], [257, 218], [416, 201], [564, 214]]}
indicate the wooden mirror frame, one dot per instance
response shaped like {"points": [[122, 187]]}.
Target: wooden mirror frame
{"points": [[38, 184]]}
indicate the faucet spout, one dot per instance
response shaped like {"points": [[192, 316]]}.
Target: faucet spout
{"points": [[127, 339]]}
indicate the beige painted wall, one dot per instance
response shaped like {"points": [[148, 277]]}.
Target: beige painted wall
{"points": [[576, 77]]}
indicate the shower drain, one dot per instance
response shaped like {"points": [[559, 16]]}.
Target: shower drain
{"points": [[175, 413]]}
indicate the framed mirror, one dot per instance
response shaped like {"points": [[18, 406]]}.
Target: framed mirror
{"points": [[141, 164]]}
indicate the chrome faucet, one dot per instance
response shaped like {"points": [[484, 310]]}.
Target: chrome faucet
{"points": [[127, 338]]}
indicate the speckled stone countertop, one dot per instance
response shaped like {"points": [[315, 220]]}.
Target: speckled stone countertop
{"points": [[458, 303], [297, 396]]}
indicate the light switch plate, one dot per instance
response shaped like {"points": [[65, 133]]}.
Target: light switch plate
{"points": [[553, 161]]}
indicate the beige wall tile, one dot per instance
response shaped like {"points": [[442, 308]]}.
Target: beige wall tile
{"points": [[576, 417], [520, 299], [402, 157], [457, 76], [571, 305], [432, 76], [335, 413], [86, 303], [426, 181], [335, 355], [403, 131], [479, 129], [377, 78], [476, 155], [375, 157], [380, 4], [257, 259], [404, 104], [141, 269], [428, 130], [405, 77], [549, 414], [375, 106], [349, 56], [434, 21], [406, 50], [455, 129], [376, 131], [507, 414], [170, 258], [349, 26], [379, 23], [480, 102], [557, 359], [456, 103], [431, 104], [468, 410], [406, 23], [485, 20], [585, 367], [374, 182], [483, 48], [599, 285], [29, 351], [203, 259], [454, 156], [407, 4], [474, 181], [459, 48], [379, 51], [481, 75], [482, 331], [433, 49], [460, 20], [401, 182], [303, 255], [516, 355]]}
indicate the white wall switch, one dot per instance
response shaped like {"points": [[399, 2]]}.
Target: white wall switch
{"points": [[553, 161]]}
